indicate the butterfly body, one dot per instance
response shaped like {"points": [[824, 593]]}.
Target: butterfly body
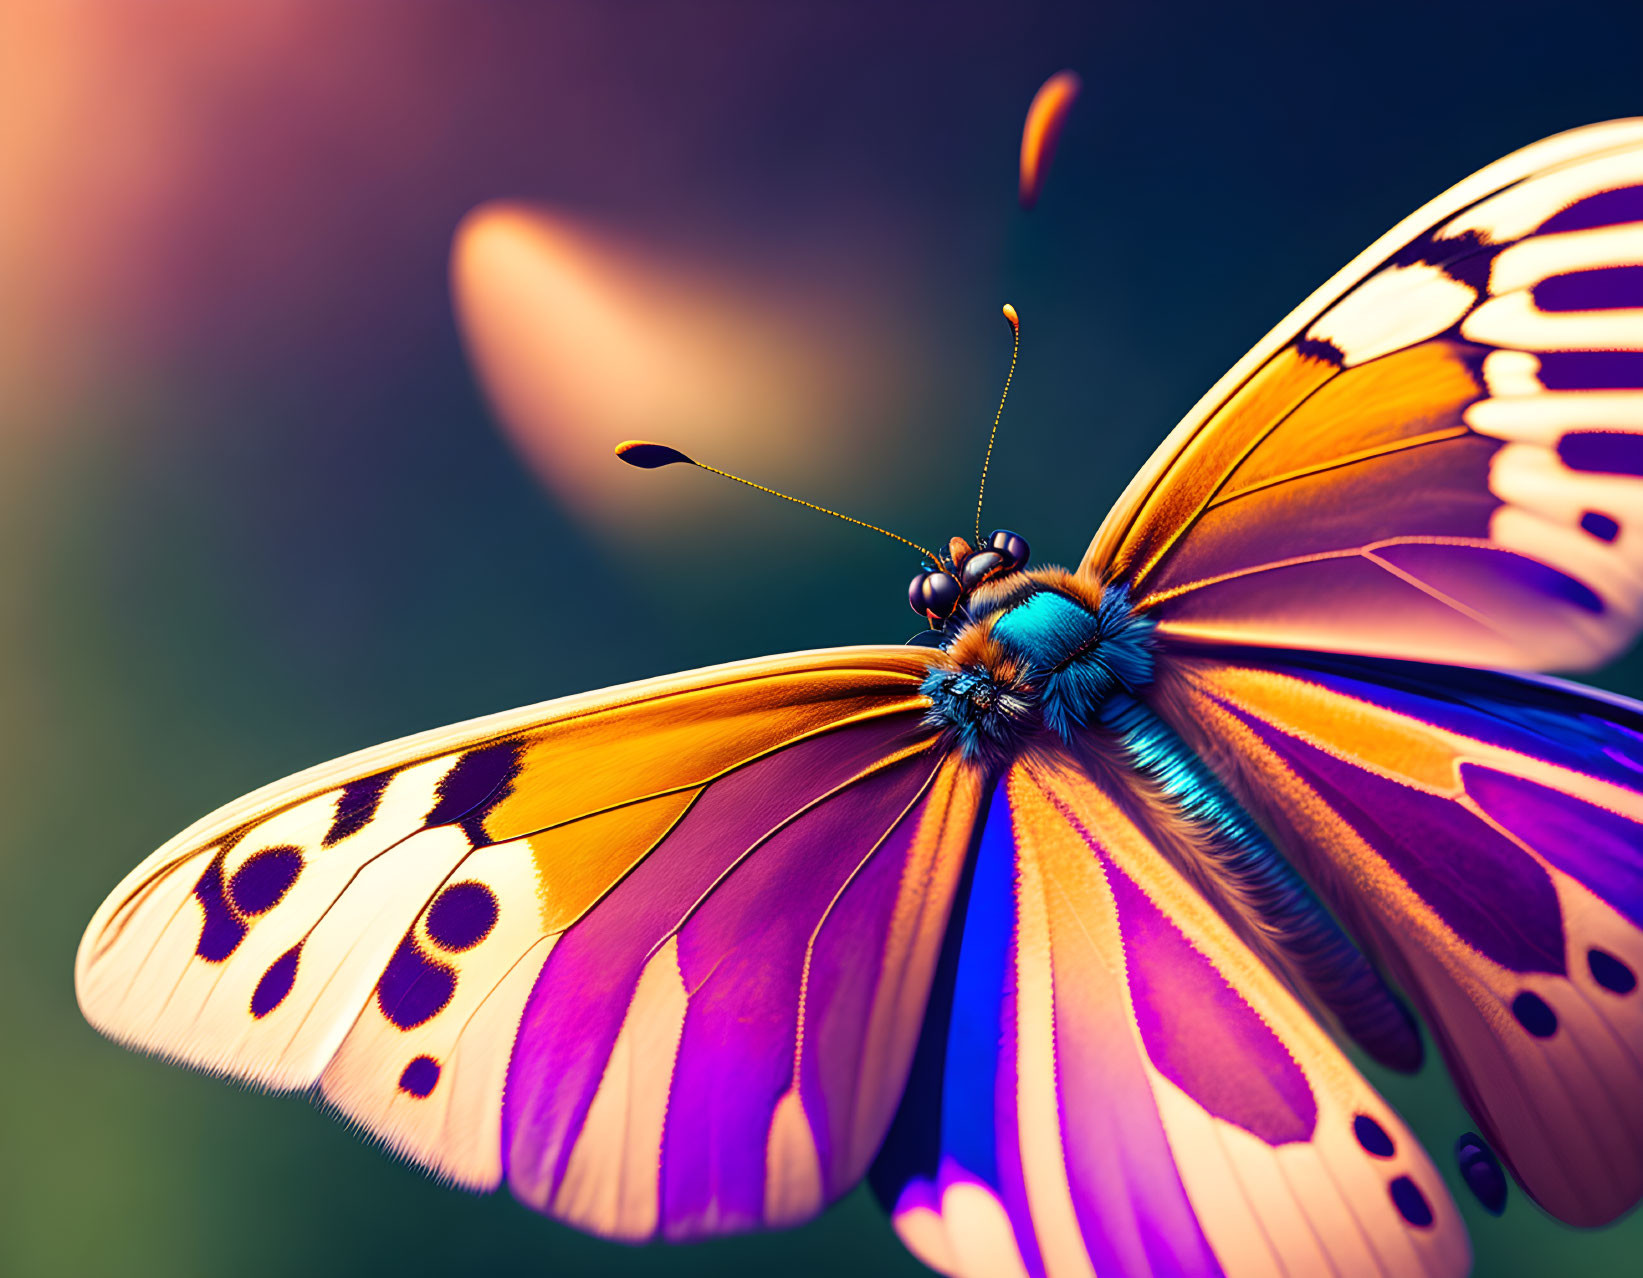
{"points": [[1047, 920], [1041, 651]]}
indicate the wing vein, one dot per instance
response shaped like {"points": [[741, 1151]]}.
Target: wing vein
{"points": [[1339, 463]]}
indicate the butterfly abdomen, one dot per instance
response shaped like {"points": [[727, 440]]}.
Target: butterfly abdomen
{"points": [[1228, 854]]}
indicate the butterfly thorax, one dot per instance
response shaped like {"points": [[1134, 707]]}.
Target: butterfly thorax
{"points": [[1037, 651]]}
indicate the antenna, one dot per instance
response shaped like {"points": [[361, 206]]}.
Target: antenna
{"points": [[649, 456], [1014, 321]]}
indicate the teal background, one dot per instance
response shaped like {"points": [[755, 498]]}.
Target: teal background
{"points": [[254, 512]]}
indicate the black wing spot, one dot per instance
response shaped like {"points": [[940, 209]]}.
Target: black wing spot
{"points": [[356, 806], [480, 780]]}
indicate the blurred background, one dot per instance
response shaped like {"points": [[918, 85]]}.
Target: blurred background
{"points": [[318, 321]]}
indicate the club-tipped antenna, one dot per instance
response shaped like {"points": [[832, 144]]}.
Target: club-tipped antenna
{"points": [[1014, 321], [649, 456]]}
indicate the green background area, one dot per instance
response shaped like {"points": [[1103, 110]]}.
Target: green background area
{"points": [[263, 516]]}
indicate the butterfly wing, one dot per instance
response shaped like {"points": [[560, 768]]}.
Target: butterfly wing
{"points": [[1482, 834], [1439, 455], [655, 955], [1111, 1083]]}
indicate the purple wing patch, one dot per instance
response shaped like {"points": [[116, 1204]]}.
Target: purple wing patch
{"points": [[757, 929], [1242, 1072], [736, 1058], [1590, 844], [1495, 895]]}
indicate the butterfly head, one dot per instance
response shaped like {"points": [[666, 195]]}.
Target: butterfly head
{"points": [[938, 593]]}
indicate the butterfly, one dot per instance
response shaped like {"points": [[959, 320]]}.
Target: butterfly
{"points": [[1050, 927]]}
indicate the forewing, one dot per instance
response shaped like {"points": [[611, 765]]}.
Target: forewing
{"points": [[1112, 1084], [1483, 835], [696, 914], [1439, 455]]}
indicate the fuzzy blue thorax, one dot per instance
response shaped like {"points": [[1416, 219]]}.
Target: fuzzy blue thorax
{"points": [[1078, 658], [1038, 656]]}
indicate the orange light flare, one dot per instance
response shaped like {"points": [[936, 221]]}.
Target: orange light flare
{"points": [[582, 337], [1045, 116]]}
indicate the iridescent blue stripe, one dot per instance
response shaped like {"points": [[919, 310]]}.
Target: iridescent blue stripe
{"points": [[1287, 909], [1564, 724], [969, 1132]]}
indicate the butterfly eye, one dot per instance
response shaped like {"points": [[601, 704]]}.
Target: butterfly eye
{"points": [[983, 565], [1011, 545], [934, 595]]}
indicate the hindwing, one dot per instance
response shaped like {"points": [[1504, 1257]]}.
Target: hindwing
{"points": [[1481, 834]]}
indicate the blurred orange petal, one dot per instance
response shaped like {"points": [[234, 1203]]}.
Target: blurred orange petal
{"points": [[1042, 131], [583, 338]]}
